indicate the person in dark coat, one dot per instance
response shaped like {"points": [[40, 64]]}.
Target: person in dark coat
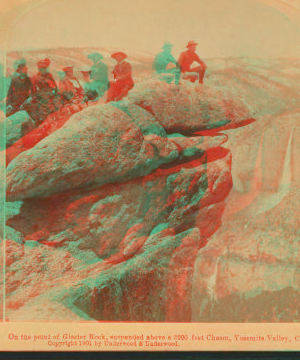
{"points": [[123, 81], [186, 60], [20, 91], [46, 99]]}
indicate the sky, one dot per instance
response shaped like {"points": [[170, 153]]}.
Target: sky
{"points": [[223, 28]]}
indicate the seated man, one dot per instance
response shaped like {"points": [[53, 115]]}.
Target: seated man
{"points": [[89, 93], [20, 90], [46, 98], [123, 81], [187, 58], [99, 74], [71, 90], [162, 60]]}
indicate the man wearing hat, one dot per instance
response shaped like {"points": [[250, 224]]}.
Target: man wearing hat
{"points": [[20, 90], [71, 90], [163, 59], [46, 98], [89, 93], [99, 74], [123, 81], [187, 58]]}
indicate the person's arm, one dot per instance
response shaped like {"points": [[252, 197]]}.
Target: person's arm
{"points": [[199, 61], [30, 87], [52, 83], [27, 102], [180, 61], [172, 59], [34, 85]]}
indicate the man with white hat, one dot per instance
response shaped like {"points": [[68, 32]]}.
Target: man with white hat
{"points": [[71, 90], [186, 60], [163, 59]]}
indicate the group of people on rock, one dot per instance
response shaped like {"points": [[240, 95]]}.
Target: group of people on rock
{"points": [[41, 96]]}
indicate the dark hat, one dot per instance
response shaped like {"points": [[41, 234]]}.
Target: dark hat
{"points": [[43, 63], [20, 67], [167, 45], [18, 64], [95, 56], [191, 43], [67, 68], [118, 55]]}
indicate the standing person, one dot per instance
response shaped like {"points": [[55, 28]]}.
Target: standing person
{"points": [[123, 82], [163, 59], [46, 99], [99, 74], [20, 90], [187, 58], [71, 90]]}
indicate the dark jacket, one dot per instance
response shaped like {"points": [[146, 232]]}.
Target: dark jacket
{"points": [[19, 91]]}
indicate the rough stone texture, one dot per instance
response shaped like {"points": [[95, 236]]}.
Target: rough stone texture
{"points": [[119, 239], [250, 271], [13, 126], [163, 238], [190, 107], [33, 136], [99, 145]]}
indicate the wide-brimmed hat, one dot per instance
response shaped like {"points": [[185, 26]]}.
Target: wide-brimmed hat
{"points": [[95, 56], [167, 45], [118, 55], [43, 63], [67, 68], [190, 43]]}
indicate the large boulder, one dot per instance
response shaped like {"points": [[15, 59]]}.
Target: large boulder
{"points": [[115, 240], [188, 107], [98, 145], [102, 144]]}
